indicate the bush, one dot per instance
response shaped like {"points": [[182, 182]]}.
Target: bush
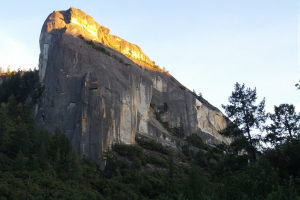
{"points": [[154, 146], [196, 141], [157, 161], [130, 151]]}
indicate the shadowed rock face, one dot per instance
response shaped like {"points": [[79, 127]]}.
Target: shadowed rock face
{"points": [[100, 89]]}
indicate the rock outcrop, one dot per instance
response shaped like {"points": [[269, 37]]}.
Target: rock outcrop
{"points": [[100, 89]]}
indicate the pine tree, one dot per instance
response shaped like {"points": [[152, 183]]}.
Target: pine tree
{"points": [[246, 115], [285, 124]]}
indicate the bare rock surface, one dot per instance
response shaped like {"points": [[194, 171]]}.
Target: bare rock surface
{"points": [[100, 89]]}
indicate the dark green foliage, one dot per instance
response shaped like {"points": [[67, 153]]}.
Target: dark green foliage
{"points": [[285, 124], [177, 131], [253, 182], [197, 184], [35, 164], [21, 85], [286, 158], [153, 145], [246, 115], [135, 157], [132, 152], [196, 141], [129, 151], [157, 161]]}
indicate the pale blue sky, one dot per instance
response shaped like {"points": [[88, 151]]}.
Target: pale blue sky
{"points": [[208, 45]]}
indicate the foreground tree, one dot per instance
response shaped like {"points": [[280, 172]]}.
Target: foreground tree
{"points": [[246, 115], [285, 124]]}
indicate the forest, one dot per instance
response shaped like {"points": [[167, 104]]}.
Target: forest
{"points": [[261, 163]]}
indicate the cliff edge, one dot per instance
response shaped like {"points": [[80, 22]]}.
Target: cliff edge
{"points": [[75, 22], [100, 89]]}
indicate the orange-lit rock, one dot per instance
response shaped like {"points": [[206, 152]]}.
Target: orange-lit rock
{"points": [[77, 23]]}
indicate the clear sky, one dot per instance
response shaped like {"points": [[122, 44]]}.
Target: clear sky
{"points": [[208, 45]]}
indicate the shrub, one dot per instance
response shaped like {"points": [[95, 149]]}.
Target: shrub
{"points": [[154, 146], [196, 141]]}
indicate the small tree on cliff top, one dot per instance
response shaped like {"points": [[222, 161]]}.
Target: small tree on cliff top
{"points": [[246, 115]]}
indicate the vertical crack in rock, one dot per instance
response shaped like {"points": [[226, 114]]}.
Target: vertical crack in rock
{"points": [[100, 89]]}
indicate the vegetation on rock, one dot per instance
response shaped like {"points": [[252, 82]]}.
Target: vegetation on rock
{"points": [[36, 164]]}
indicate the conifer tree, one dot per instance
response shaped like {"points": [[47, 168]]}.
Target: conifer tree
{"points": [[246, 115], [285, 124]]}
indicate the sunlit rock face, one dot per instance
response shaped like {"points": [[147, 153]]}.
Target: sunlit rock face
{"points": [[100, 93], [75, 22]]}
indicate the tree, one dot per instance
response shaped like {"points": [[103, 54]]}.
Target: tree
{"points": [[196, 183], [298, 85], [246, 115], [285, 124]]}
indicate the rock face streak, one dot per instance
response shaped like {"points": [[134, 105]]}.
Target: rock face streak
{"points": [[100, 89]]}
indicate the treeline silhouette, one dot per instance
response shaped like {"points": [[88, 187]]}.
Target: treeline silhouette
{"points": [[262, 162]]}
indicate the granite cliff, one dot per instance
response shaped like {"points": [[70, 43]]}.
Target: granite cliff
{"points": [[100, 89]]}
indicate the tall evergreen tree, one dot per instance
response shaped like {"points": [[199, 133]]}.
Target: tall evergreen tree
{"points": [[246, 115], [285, 124]]}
